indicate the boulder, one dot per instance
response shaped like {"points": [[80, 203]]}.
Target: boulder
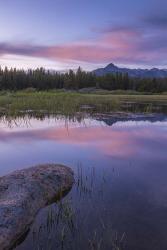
{"points": [[24, 192]]}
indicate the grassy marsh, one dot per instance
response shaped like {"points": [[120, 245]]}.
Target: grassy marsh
{"points": [[69, 103]]}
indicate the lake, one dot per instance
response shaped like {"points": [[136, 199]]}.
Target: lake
{"points": [[119, 199]]}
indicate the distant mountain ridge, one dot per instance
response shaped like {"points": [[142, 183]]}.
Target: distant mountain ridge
{"points": [[149, 73]]}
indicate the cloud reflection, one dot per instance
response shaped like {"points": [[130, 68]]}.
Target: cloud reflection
{"points": [[116, 141]]}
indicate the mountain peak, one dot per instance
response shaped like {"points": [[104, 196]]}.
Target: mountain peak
{"points": [[111, 65]]}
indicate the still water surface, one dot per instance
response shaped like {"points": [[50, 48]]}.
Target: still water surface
{"points": [[119, 200]]}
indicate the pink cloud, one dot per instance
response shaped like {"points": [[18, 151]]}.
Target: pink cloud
{"points": [[119, 45]]}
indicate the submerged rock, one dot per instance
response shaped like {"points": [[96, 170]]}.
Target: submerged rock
{"points": [[23, 193]]}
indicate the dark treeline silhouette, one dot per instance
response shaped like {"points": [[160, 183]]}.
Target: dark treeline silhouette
{"points": [[40, 79]]}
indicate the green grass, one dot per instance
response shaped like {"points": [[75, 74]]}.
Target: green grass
{"points": [[69, 103]]}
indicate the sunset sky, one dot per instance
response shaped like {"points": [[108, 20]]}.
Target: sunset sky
{"points": [[63, 34]]}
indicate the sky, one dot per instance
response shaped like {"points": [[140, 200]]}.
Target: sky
{"points": [[63, 34]]}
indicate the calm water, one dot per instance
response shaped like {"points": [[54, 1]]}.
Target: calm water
{"points": [[119, 200]]}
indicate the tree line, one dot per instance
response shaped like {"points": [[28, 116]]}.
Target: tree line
{"points": [[41, 79]]}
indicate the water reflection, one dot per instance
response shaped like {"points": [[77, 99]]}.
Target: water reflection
{"points": [[62, 141], [126, 199]]}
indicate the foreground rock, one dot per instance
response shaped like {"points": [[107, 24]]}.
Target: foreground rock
{"points": [[23, 193]]}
